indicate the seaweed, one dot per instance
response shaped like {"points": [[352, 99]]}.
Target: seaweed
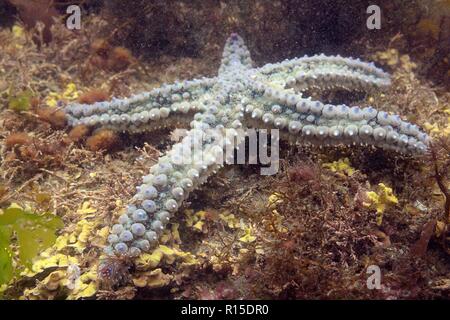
{"points": [[31, 233], [20, 101]]}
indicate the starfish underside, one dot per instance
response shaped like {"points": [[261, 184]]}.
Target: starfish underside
{"points": [[240, 96]]}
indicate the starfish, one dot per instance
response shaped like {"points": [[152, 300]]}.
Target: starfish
{"points": [[240, 97]]}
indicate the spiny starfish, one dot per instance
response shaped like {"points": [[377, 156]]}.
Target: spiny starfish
{"points": [[240, 96]]}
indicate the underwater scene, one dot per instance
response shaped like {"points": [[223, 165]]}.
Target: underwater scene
{"points": [[224, 150]]}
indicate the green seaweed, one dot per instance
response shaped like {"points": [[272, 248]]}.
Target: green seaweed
{"points": [[32, 232], [21, 101], [6, 266]]}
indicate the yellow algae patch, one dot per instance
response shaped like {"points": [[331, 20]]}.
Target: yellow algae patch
{"points": [[381, 200], [49, 288], [48, 260], [152, 279], [86, 290], [433, 129], [18, 32], [70, 93], [52, 99], [80, 238], [195, 220], [231, 221], [274, 199], [392, 57], [341, 167], [85, 286], [164, 254], [437, 131], [57, 283], [86, 209], [86, 231], [149, 261], [175, 232], [198, 225], [248, 237]]}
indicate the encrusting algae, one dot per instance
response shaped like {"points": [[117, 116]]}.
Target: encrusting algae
{"points": [[380, 200]]}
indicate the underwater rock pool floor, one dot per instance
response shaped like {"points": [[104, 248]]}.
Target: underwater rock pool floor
{"points": [[304, 233]]}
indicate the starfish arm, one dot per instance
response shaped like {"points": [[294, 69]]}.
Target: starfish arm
{"points": [[235, 54], [309, 121], [182, 169], [167, 106], [326, 73]]}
